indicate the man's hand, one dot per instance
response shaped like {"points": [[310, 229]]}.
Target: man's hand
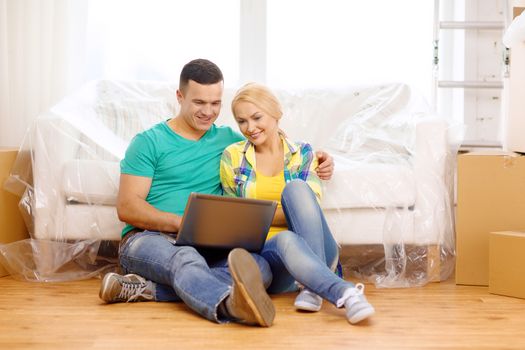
{"points": [[325, 170]]}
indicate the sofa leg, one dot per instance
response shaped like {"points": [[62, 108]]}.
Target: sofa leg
{"points": [[433, 263]]}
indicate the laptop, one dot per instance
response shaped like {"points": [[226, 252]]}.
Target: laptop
{"points": [[211, 221]]}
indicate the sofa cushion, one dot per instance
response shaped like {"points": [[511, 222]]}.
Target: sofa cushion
{"points": [[383, 123], [369, 185], [91, 181], [93, 221], [123, 110], [127, 109], [126, 118], [371, 226]]}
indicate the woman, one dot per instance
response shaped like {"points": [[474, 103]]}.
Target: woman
{"points": [[300, 247]]}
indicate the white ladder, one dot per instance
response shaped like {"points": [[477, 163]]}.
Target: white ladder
{"points": [[440, 25]]}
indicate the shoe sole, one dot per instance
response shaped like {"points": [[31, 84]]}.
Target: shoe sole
{"points": [[307, 307], [104, 287], [362, 315], [247, 277]]}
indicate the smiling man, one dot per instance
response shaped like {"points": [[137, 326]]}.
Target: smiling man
{"points": [[162, 166]]}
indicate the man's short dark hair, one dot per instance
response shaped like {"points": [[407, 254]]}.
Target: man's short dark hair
{"points": [[201, 71]]}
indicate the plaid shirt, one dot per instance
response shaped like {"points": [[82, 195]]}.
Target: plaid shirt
{"points": [[238, 177]]}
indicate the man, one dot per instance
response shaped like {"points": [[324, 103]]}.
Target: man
{"points": [[162, 166]]}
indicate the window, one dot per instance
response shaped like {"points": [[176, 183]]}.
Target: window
{"points": [[340, 43], [327, 43], [153, 39]]}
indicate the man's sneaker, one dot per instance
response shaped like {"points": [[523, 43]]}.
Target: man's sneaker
{"points": [[356, 305], [248, 301], [308, 301], [117, 288]]}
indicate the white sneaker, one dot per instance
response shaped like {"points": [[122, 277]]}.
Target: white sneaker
{"points": [[356, 305], [308, 301]]}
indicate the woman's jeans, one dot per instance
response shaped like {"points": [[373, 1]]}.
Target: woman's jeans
{"points": [[307, 252], [201, 279]]}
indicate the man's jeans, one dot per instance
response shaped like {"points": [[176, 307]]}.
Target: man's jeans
{"points": [[202, 281], [307, 253]]}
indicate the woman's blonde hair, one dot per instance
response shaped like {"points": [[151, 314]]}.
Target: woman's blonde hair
{"points": [[260, 96]]}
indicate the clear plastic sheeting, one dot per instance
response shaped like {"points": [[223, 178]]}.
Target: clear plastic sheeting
{"points": [[67, 174], [388, 203]]}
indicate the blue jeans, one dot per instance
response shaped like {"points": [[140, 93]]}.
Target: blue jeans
{"points": [[307, 252], [201, 279]]}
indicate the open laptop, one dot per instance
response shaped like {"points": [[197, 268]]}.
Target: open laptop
{"points": [[225, 222]]}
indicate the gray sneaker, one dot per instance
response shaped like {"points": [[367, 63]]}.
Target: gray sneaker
{"points": [[248, 300], [117, 288], [308, 301], [356, 305]]}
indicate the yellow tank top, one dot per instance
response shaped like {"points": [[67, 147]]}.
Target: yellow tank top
{"points": [[270, 188]]}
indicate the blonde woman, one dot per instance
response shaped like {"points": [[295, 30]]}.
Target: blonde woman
{"points": [[300, 247]]}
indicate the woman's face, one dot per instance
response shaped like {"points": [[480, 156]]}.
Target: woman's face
{"points": [[257, 126]]}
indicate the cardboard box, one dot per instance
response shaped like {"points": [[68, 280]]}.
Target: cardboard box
{"points": [[491, 197], [12, 227], [507, 263]]}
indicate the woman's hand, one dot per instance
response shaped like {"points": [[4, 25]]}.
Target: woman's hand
{"points": [[325, 169]]}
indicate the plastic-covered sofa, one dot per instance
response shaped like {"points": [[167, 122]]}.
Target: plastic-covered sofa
{"points": [[388, 203]]}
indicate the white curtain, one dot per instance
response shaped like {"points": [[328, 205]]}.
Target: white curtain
{"points": [[42, 50]]}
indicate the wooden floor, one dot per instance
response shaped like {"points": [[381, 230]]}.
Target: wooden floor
{"points": [[439, 315]]}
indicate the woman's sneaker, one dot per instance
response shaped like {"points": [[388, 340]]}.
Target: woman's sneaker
{"points": [[308, 301], [355, 303]]}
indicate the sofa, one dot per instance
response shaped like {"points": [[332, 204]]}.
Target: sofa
{"points": [[388, 203]]}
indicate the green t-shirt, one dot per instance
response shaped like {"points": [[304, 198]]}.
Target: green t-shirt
{"points": [[176, 165]]}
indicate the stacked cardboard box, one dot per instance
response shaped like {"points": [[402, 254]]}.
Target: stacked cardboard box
{"points": [[491, 197], [507, 249], [12, 227], [507, 263]]}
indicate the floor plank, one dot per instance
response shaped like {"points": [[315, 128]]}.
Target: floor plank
{"points": [[440, 315]]}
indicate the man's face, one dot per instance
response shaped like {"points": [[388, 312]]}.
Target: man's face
{"points": [[200, 105]]}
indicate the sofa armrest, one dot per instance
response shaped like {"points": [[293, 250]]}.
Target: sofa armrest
{"points": [[431, 146], [432, 206], [53, 143]]}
